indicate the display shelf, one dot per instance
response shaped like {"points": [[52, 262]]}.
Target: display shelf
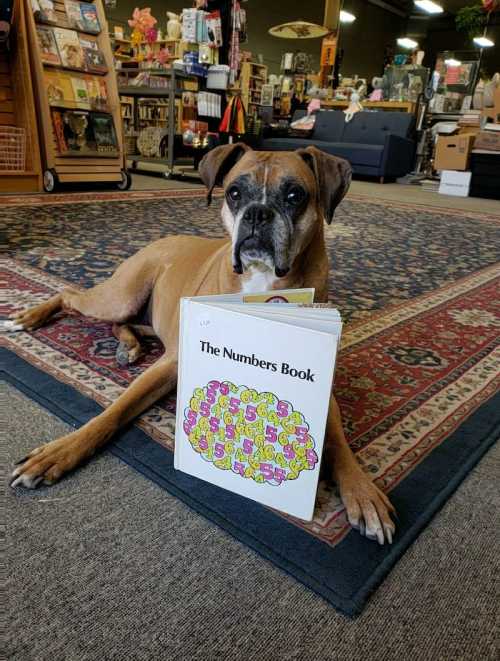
{"points": [[74, 168], [17, 106], [246, 77], [406, 106], [167, 166]]}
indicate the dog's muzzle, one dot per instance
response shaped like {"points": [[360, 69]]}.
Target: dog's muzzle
{"points": [[259, 234]]}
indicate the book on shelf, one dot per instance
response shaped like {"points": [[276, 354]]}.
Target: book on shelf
{"points": [[84, 133], [253, 395], [93, 57], [90, 18], [55, 93], [69, 48], [74, 14], [44, 11], [97, 92], [49, 53], [80, 91]]}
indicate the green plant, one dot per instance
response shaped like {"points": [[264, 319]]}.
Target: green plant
{"points": [[471, 20]]}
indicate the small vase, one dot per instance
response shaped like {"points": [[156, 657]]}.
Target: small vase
{"points": [[174, 26]]}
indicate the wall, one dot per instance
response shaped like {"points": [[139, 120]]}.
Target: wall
{"points": [[364, 40]]}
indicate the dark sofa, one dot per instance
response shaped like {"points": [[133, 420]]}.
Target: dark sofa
{"points": [[379, 144]]}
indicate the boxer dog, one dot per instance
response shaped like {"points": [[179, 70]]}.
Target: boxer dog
{"points": [[274, 208]]}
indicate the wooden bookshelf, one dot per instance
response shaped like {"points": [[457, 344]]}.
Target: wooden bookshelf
{"points": [[62, 168], [251, 72], [17, 106]]}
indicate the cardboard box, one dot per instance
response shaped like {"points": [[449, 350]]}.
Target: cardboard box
{"points": [[453, 152], [455, 183], [489, 140]]}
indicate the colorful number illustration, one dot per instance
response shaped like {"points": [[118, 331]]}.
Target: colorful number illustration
{"points": [[253, 434]]}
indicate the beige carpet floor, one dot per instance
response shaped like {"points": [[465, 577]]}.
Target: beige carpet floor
{"points": [[106, 565]]}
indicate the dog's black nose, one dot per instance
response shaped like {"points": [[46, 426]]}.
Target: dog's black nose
{"points": [[258, 213]]}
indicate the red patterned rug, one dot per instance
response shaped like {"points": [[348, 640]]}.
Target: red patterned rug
{"points": [[416, 383]]}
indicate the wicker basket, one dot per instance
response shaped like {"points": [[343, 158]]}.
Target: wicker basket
{"points": [[12, 148]]}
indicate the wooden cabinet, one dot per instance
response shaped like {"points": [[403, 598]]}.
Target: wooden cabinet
{"points": [[17, 106]]}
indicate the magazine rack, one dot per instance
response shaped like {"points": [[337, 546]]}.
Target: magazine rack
{"points": [[20, 168], [63, 168]]}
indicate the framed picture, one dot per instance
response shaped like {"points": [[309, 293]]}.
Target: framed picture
{"points": [[266, 95]]}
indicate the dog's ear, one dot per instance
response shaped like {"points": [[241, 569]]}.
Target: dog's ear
{"points": [[216, 164], [333, 177]]}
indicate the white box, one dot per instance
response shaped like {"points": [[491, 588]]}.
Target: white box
{"points": [[455, 183]]}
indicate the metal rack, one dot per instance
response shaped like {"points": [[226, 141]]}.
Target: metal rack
{"points": [[171, 92]]}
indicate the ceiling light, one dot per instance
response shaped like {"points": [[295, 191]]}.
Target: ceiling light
{"points": [[429, 6], [484, 42], [404, 42], [451, 62], [346, 17]]}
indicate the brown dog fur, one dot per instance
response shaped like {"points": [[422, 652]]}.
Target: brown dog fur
{"points": [[178, 266]]}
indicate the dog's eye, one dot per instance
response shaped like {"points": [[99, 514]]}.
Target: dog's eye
{"points": [[234, 193], [295, 195]]}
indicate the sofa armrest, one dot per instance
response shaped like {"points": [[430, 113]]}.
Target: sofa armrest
{"points": [[398, 157]]}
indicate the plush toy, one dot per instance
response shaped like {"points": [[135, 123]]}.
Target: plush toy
{"points": [[353, 107], [377, 94]]}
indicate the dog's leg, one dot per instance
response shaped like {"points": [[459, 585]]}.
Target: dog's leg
{"points": [[368, 509], [49, 462], [35, 317], [129, 348]]}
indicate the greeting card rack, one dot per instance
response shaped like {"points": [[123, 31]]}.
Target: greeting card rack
{"points": [[63, 167], [17, 113]]}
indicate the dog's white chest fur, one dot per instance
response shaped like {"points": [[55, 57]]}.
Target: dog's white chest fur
{"points": [[259, 280]]}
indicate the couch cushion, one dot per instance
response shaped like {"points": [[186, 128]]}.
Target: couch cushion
{"points": [[356, 154], [372, 127], [285, 144], [329, 125]]}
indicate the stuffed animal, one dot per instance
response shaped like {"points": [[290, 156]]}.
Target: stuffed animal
{"points": [[377, 94]]}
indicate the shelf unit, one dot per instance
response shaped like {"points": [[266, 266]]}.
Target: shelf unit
{"points": [[252, 77], [171, 95], [17, 106], [60, 168], [404, 106]]}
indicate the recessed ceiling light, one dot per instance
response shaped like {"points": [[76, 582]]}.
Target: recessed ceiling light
{"points": [[451, 62], [484, 42], [405, 42], [429, 6], [346, 17]]}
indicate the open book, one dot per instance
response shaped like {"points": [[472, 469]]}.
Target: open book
{"points": [[253, 393]]}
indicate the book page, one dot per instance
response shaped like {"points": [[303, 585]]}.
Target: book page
{"points": [[252, 403]]}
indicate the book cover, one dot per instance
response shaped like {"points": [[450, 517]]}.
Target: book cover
{"points": [[74, 14], [55, 92], [47, 44], [80, 92], [253, 395], [44, 11], [65, 84], [97, 92], [69, 48], [104, 133], [90, 19], [58, 125], [93, 57]]}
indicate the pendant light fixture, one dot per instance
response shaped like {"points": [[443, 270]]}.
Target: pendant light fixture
{"points": [[299, 30]]}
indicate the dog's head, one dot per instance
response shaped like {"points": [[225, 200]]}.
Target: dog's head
{"points": [[274, 200]]}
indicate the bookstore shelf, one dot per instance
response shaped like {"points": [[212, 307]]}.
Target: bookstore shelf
{"points": [[78, 106]]}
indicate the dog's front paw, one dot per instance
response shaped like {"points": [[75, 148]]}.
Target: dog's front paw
{"points": [[48, 463], [368, 509]]}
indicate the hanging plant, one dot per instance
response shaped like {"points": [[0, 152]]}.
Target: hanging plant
{"points": [[471, 20]]}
